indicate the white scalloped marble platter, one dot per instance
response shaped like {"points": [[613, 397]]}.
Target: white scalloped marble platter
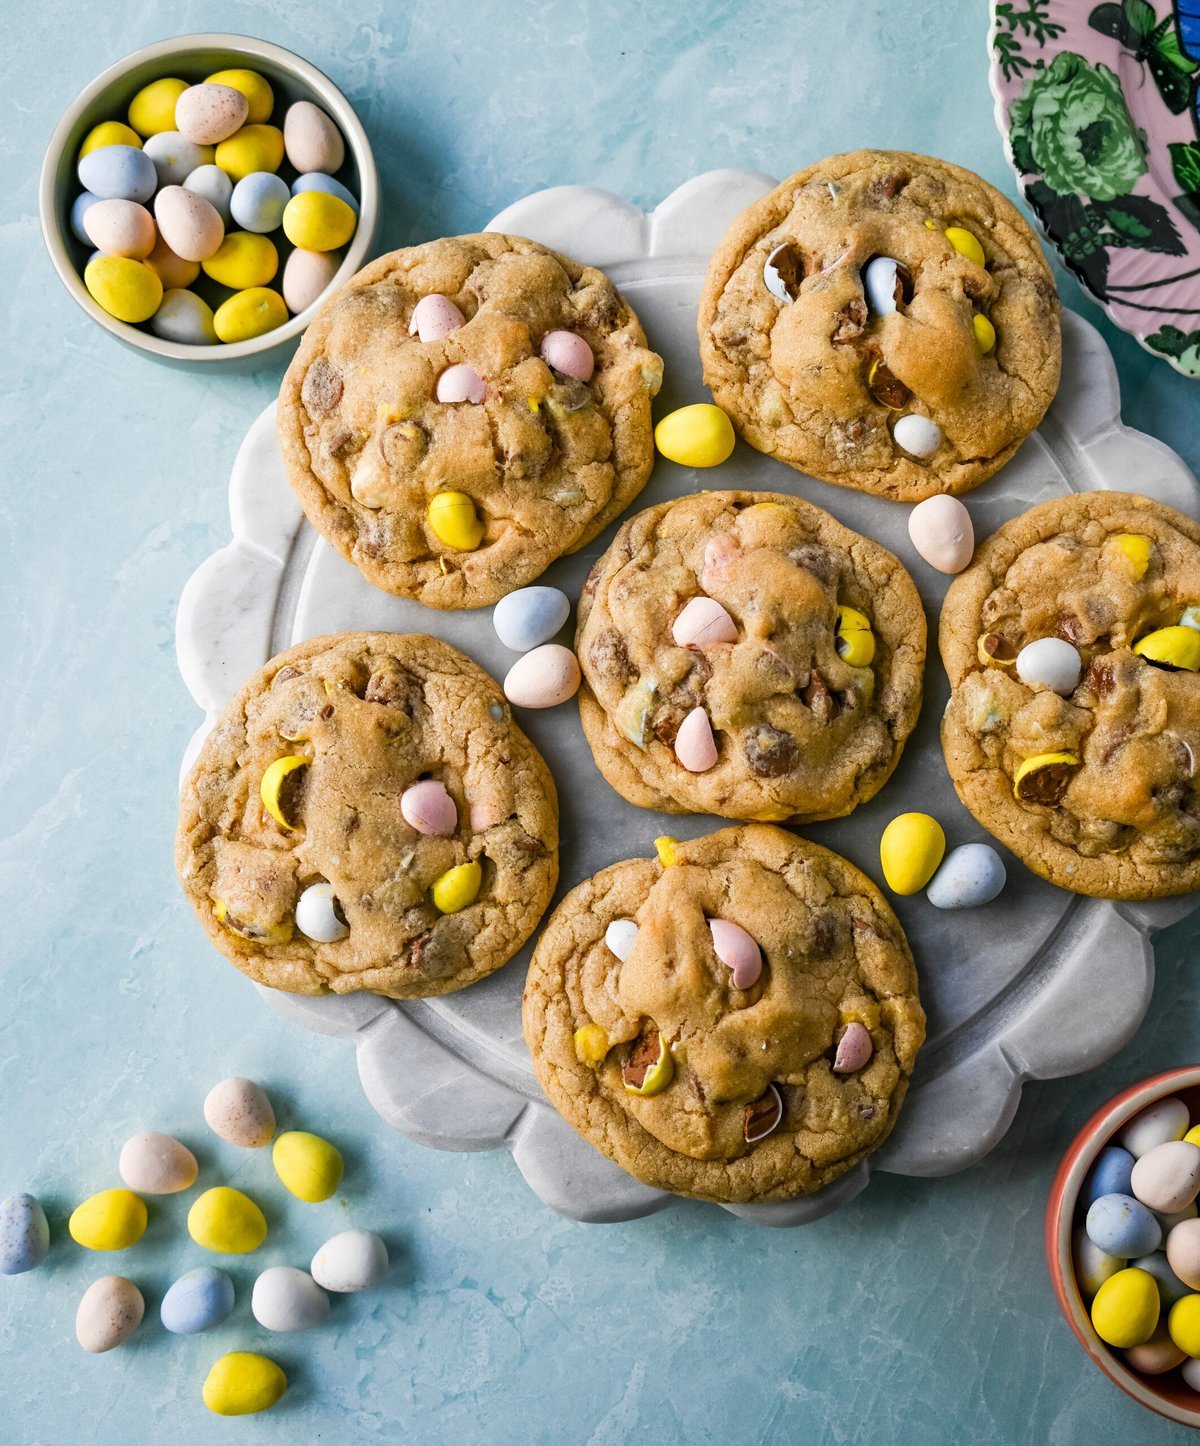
{"points": [[1036, 985]]}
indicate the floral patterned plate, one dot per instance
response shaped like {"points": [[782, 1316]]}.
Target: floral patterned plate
{"points": [[1099, 106]]}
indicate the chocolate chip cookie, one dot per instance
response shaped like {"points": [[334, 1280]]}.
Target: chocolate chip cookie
{"points": [[746, 655], [366, 815], [463, 412], [884, 321], [1072, 644], [738, 1024]]}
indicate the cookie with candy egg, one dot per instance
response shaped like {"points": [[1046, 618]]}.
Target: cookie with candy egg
{"points": [[736, 1020], [745, 655], [366, 815], [1072, 644], [463, 412], [884, 321]]}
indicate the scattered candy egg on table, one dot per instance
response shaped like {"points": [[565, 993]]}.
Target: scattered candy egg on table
{"points": [[227, 1222], [287, 1299], [970, 875], [457, 887], [110, 1311], [312, 141], [738, 951], [319, 181], [260, 98], [208, 113], [460, 383], [1112, 1174], [1126, 1308], [214, 185], [243, 1383], [184, 317], [309, 1166], [1093, 1266], [434, 317], [109, 133], [24, 1234], [1051, 663], [910, 850], [197, 1301], [916, 435], [1167, 1177], [258, 201], [941, 530], [1183, 1252], [188, 223], [250, 313], [697, 436], [1164, 1120], [120, 228], [118, 173], [306, 274], [109, 1220], [702, 622], [156, 1164], [543, 678], [239, 1111], [1158, 1354], [351, 1261], [318, 915], [568, 353], [620, 937], [1123, 1226], [428, 807], [253, 148], [695, 746], [175, 157], [530, 616], [153, 108]]}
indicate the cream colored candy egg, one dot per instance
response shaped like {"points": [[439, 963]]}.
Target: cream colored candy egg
{"points": [[110, 1311], [306, 274], [188, 223], [185, 318], [120, 228], [543, 677], [941, 531], [312, 141], [157, 1164], [239, 1111]]}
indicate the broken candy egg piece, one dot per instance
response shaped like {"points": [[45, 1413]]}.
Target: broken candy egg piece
{"points": [[271, 787], [695, 746], [738, 951], [853, 638], [887, 283], [318, 916], [1044, 777], [783, 271], [461, 383], [649, 1068], [703, 621], [428, 808], [1175, 648], [568, 353], [762, 1116], [620, 937]]}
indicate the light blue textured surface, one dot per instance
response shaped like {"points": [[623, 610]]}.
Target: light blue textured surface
{"points": [[920, 1313]]}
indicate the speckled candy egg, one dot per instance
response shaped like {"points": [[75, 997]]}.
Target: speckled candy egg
{"points": [[306, 274], [208, 114], [120, 228], [970, 875], [24, 1234], [353, 1260], [941, 530], [543, 678], [185, 318], [311, 140], [258, 200], [157, 1164], [287, 1299], [1167, 1178], [530, 616], [175, 157], [214, 185], [1122, 1226], [189, 225], [197, 1301], [109, 1313], [319, 181], [118, 173], [239, 1111]]}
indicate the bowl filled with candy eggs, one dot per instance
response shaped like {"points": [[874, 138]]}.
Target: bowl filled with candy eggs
{"points": [[1123, 1241], [202, 196]]}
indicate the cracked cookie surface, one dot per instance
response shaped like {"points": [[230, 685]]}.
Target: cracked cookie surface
{"points": [[794, 372], [369, 714], [802, 730], [1111, 806], [546, 460], [834, 958]]}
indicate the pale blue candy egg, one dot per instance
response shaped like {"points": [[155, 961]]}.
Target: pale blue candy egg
{"points": [[1092, 1265], [1122, 1226], [118, 173], [319, 181], [184, 317], [258, 200], [197, 1301], [214, 185], [530, 616], [175, 157], [78, 207], [24, 1234], [1112, 1174], [1170, 1287], [970, 875]]}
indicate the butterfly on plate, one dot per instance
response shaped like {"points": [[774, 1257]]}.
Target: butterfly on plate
{"points": [[1154, 43]]}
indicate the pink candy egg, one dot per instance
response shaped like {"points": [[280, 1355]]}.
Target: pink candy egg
{"points": [[703, 621], [435, 317], [120, 228], [210, 113], [854, 1049], [1167, 1178], [720, 554], [461, 383], [941, 531], [189, 224], [737, 951], [429, 808], [306, 274], [568, 353], [695, 746], [543, 678]]}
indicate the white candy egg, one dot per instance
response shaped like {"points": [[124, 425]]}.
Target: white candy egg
{"points": [[1049, 663], [1164, 1120], [287, 1299], [318, 916], [353, 1260], [154, 1164], [543, 678], [175, 157], [214, 185], [621, 936]]}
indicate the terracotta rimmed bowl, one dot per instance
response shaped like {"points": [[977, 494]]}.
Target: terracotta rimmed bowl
{"points": [[1166, 1394]]}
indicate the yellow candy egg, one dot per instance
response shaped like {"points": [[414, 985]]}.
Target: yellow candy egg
{"points": [[316, 221], [242, 1384], [126, 289], [258, 93], [111, 1220], [591, 1045], [1184, 1324], [309, 1166], [697, 436], [457, 887], [966, 244], [665, 847], [253, 148], [109, 133], [153, 108], [985, 333], [1125, 1310], [226, 1221], [1193, 1135], [855, 641], [910, 851], [271, 785], [244, 259], [1177, 647], [1132, 550], [1044, 777], [454, 521], [250, 313]]}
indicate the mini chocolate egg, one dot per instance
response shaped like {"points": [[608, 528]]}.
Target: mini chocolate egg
{"points": [[351, 1261], [188, 223], [239, 1111], [1051, 663], [208, 114], [79, 208], [1184, 1325], [248, 314], [175, 157], [1163, 1120], [543, 678], [1126, 1309], [567, 352], [253, 148], [1112, 1174], [702, 623], [738, 951], [125, 288], [911, 848], [243, 260], [700, 435], [970, 875], [24, 1234], [319, 916], [1158, 1354], [1093, 1266], [153, 108], [529, 616], [884, 281], [854, 1049], [109, 1313], [1170, 1287], [941, 530], [1183, 1252], [173, 271], [1123, 1226], [427, 807], [319, 181], [214, 185], [1190, 1371], [226, 1221], [120, 228], [109, 1220], [260, 98], [306, 274], [185, 318], [258, 200], [434, 317], [155, 1164], [695, 746], [311, 140], [309, 1166], [109, 133], [317, 221], [197, 1301], [243, 1383], [287, 1299], [1167, 1178], [620, 937], [118, 173], [917, 435], [460, 383], [457, 888]]}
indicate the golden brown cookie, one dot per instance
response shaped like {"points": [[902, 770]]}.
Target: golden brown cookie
{"points": [[802, 673], [367, 815], [533, 467], [751, 1082], [838, 365], [1081, 754]]}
